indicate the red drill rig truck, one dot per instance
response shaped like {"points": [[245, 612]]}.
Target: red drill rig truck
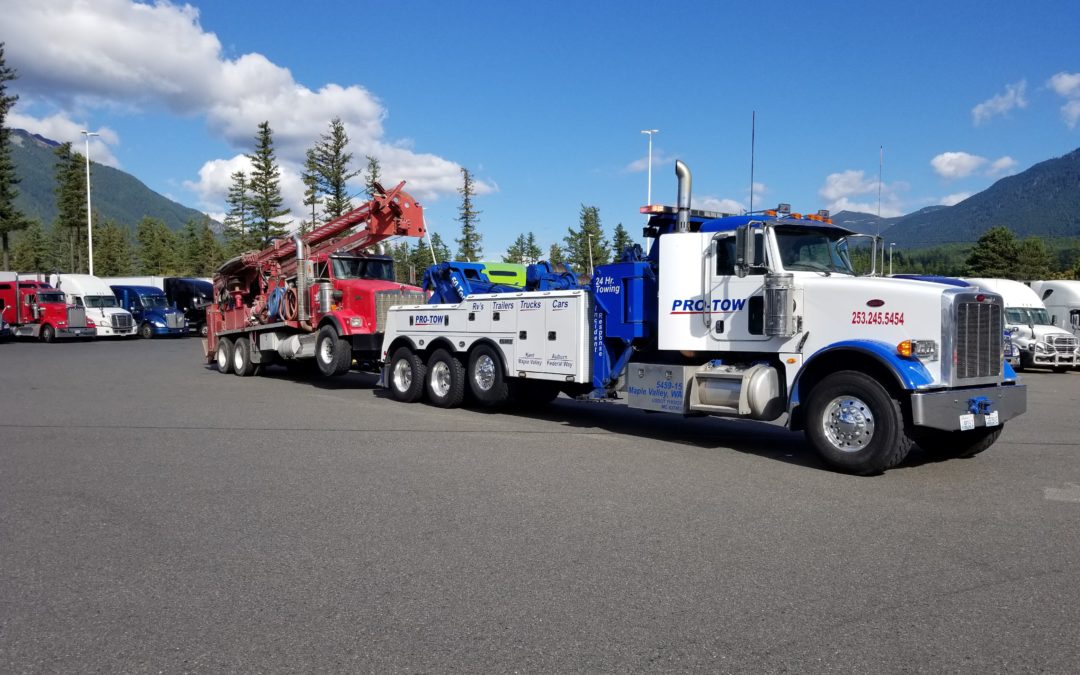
{"points": [[319, 297]]}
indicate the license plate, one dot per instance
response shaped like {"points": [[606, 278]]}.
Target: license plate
{"points": [[967, 422], [992, 419]]}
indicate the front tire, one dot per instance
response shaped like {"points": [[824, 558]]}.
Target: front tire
{"points": [[333, 354], [224, 355], [855, 424], [48, 334], [242, 364], [406, 376], [956, 444], [146, 331], [487, 384]]}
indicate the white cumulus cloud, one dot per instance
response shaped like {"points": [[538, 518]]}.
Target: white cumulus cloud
{"points": [[155, 56], [954, 198], [1014, 97], [852, 190], [63, 130], [1001, 166], [707, 203], [952, 165], [1067, 85]]}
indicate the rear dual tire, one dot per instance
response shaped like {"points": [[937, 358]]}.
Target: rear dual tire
{"points": [[445, 379], [406, 376], [224, 355], [242, 364]]}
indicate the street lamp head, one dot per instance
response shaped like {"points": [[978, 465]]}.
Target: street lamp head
{"points": [[88, 134], [649, 131]]}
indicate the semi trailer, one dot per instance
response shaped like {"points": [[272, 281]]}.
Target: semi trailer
{"points": [[757, 316]]}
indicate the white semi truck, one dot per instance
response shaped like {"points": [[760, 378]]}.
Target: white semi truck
{"points": [[1062, 300], [93, 294], [757, 316], [1038, 341]]}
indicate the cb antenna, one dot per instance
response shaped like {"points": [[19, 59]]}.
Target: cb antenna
{"points": [[753, 138]]}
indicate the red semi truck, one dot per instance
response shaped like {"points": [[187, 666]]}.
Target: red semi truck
{"points": [[317, 297], [37, 310]]}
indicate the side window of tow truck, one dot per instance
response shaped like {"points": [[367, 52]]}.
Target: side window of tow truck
{"points": [[322, 270], [725, 258]]}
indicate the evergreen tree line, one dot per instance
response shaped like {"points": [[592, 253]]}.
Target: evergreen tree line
{"points": [[998, 254]]}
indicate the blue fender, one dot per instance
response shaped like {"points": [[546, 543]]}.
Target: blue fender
{"points": [[910, 374]]}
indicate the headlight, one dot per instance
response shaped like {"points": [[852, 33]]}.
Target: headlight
{"points": [[927, 350], [1042, 347], [356, 321]]}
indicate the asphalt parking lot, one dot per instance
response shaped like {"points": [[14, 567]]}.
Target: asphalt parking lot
{"points": [[158, 516]]}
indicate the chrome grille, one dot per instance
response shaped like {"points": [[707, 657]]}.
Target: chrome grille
{"points": [[121, 321], [76, 317], [979, 327], [384, 300], [174, 320], [1063, 344]]}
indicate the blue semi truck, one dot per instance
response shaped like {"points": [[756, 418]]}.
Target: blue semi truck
{"points": [[151, 310]]}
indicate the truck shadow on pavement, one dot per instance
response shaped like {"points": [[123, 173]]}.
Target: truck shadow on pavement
{"points": [[749, 437]]}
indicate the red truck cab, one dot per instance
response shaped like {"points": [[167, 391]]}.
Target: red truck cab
{"points": [[35, 309]]}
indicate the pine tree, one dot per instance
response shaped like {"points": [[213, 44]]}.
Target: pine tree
{"points": [[620, 241], [995, 255], [371, 176], [265, 186], [556, 255], [1033, 260], [420, 257], [238, 217], [71, 206], [403, 270], [469, 244], [524, 250], [157, 248], [586, 247], [113, 256], [328, 163], [310, 178], [33, 250], [11, 219], [211, 254]]}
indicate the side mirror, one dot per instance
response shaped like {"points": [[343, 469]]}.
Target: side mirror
{"points": [[744, 250]]}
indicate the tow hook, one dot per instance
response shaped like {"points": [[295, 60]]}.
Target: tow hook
{"points": [[980, 405]]}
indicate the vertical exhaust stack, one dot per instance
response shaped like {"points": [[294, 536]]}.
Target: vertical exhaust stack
{"points": [[683, 173], [301, 280]]}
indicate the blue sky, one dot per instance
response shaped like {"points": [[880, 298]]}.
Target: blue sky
{"points": [[544, 102]]}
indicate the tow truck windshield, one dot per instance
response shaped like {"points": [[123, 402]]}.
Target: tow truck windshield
{"points": [[363, 268], [1028, 316], [814, 249]]}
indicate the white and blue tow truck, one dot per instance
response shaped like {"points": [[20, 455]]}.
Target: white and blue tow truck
{"points": [[756, 316]]}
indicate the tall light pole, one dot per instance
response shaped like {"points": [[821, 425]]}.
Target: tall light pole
{"points": [[891, 244], [591, 271], [649, 133], [89, 217]]}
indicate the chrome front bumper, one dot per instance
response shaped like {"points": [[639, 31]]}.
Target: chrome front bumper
{"points": [[955, 409]]}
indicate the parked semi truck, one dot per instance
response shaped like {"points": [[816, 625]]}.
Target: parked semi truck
{"points": [[190, 295], [34, 309], [94, 295], [1062, 300], [756, 316], [315, 298], [151, 311], [1038, 341]]}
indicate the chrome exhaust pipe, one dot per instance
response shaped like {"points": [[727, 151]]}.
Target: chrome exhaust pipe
{"points": [[682, 224], [301, 280]]}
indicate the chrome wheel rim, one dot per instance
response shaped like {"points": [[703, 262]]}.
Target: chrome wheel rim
{"points": [[222, 359], [402, 375], [326, 351], [848, 423], [440, 379], [484, 373], [238, 360]]}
